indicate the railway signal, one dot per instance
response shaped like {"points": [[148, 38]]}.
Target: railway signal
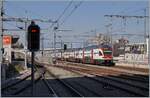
{"points": [[33, 37], [65, 46], [33, 45]]}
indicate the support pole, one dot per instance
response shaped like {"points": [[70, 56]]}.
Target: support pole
{"points": [[42, 46], [26, 44], [54, 47], [149, 49], [1, 31], [32, 74], [1, 43], [61, 49], [148, 41], [145, 33]]}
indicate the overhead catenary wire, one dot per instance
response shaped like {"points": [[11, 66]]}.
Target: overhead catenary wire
{"points": [[64, 11], [128, 10], [14, 25], [12, 18], [75, 7], [9, 18]]}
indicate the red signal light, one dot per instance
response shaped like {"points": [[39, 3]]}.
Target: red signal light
{"points": [[34, 30], [33, 37]]}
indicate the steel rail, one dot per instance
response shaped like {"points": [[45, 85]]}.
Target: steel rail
{"points": [[78, 94], [28, 85], [52, 91], [87, 74]]}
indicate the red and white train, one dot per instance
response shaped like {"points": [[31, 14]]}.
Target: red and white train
{"points": [[99, 55]]}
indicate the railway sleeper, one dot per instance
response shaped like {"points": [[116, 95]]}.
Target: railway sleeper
{"points": [[140, 85], [27, 86], [127, 88], [121, 86], [77, 94]]}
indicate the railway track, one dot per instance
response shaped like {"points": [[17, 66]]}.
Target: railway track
{"points": [[23, 77], [51, 90], [137, 88], [66, 86], [110, 79], [126, 74], [133, 78], [75, 88], [123, 69], [21, 85]]}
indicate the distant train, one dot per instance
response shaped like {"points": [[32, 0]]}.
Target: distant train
{"points": [[99, 55]]}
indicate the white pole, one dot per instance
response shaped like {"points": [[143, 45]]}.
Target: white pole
{"points": [[54, 46], [145, 35], [1, 31], [26, 41], [148, 44], [25, 61], [1, 36], [61, 49]]}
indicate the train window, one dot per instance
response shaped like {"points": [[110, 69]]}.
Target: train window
{"points": [[100, 53], [96, 53]]}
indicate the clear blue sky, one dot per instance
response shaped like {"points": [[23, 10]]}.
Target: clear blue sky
{"points": [[87, 17]]}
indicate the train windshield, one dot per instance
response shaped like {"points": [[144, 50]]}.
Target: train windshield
{"points": [[107, 52]]}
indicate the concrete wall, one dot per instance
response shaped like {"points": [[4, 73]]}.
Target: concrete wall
{"points": [[143, 58]]}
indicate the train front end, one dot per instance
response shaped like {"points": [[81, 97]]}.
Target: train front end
{"points": [[107, 55], [103, 56]]}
